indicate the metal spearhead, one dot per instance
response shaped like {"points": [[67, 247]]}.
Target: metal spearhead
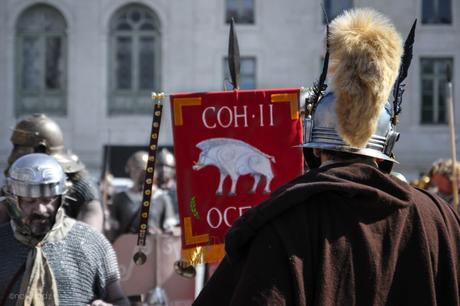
{"points": [[398, 87], [234, 57], [448, 74], [320, 86]]}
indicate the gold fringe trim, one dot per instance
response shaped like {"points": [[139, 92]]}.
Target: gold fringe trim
{"points": [[204, 254]]}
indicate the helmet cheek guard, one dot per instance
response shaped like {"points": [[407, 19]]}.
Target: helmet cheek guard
{"points": [[14, 210]]}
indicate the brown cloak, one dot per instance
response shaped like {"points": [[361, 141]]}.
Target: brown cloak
{"points": [[344, 234]]}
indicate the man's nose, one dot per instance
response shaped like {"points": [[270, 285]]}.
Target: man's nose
{"points": [[40, 208]]}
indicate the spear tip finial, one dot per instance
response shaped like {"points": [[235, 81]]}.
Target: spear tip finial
{"points": [[234, 56], [449, 73]]}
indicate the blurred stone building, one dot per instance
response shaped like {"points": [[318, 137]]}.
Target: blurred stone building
{"points": [[92, 64]]}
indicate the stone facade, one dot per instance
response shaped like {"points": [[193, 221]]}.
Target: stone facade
{"points": [[286, 40]]}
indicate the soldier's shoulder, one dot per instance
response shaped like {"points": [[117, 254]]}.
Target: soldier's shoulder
{"points": [[159, 192], [83, 188], [95, 238], [121, 195], [161, 195], [7, 235], [5, 229]]}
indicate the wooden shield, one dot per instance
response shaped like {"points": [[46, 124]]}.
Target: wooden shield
{"points": [[162, 251]]}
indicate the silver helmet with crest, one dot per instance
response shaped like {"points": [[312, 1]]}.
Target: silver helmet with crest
{"points": [[34, 175], [366, 64]]}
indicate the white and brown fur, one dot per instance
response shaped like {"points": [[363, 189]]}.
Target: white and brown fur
{"points": [[365, 53]]}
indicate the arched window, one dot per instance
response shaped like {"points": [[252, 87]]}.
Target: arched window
{"points": [[41, 61], [135, 59]]}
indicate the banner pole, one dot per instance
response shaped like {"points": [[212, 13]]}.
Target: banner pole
{"points": [[140, 257], [453, 149]]}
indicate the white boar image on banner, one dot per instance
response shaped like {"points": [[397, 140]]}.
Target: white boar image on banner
{"points": [[235, 158]]}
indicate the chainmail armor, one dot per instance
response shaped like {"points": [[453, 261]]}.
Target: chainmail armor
{"points": [[82, 191], [84, 263]]}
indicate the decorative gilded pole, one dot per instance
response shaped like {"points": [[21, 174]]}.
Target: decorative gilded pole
{"points": [[140, 257]]}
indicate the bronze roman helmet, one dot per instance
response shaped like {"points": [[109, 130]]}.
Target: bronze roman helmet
{"points": [[40, 134]]}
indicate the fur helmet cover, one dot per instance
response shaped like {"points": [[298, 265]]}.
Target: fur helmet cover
{"points": [[365, 54]]}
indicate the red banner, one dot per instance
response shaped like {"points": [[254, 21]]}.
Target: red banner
{"points": [[232, 150]]}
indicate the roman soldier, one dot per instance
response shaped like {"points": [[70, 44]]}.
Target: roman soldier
{"points": [[347, 232], [40, 134], [47, 257]]}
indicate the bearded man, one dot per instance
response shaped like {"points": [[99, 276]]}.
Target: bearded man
{"points": [[38, 133], [48, 258]]}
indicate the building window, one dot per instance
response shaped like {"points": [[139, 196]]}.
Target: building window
{"points": [[242, 11], [247, 73], [135, 60], [334, 8], [436, 12], [433, 90], [41, 61]]}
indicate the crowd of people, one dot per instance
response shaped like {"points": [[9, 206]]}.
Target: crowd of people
{"points": [[439, 179], [347, 232], [50, 202]]}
